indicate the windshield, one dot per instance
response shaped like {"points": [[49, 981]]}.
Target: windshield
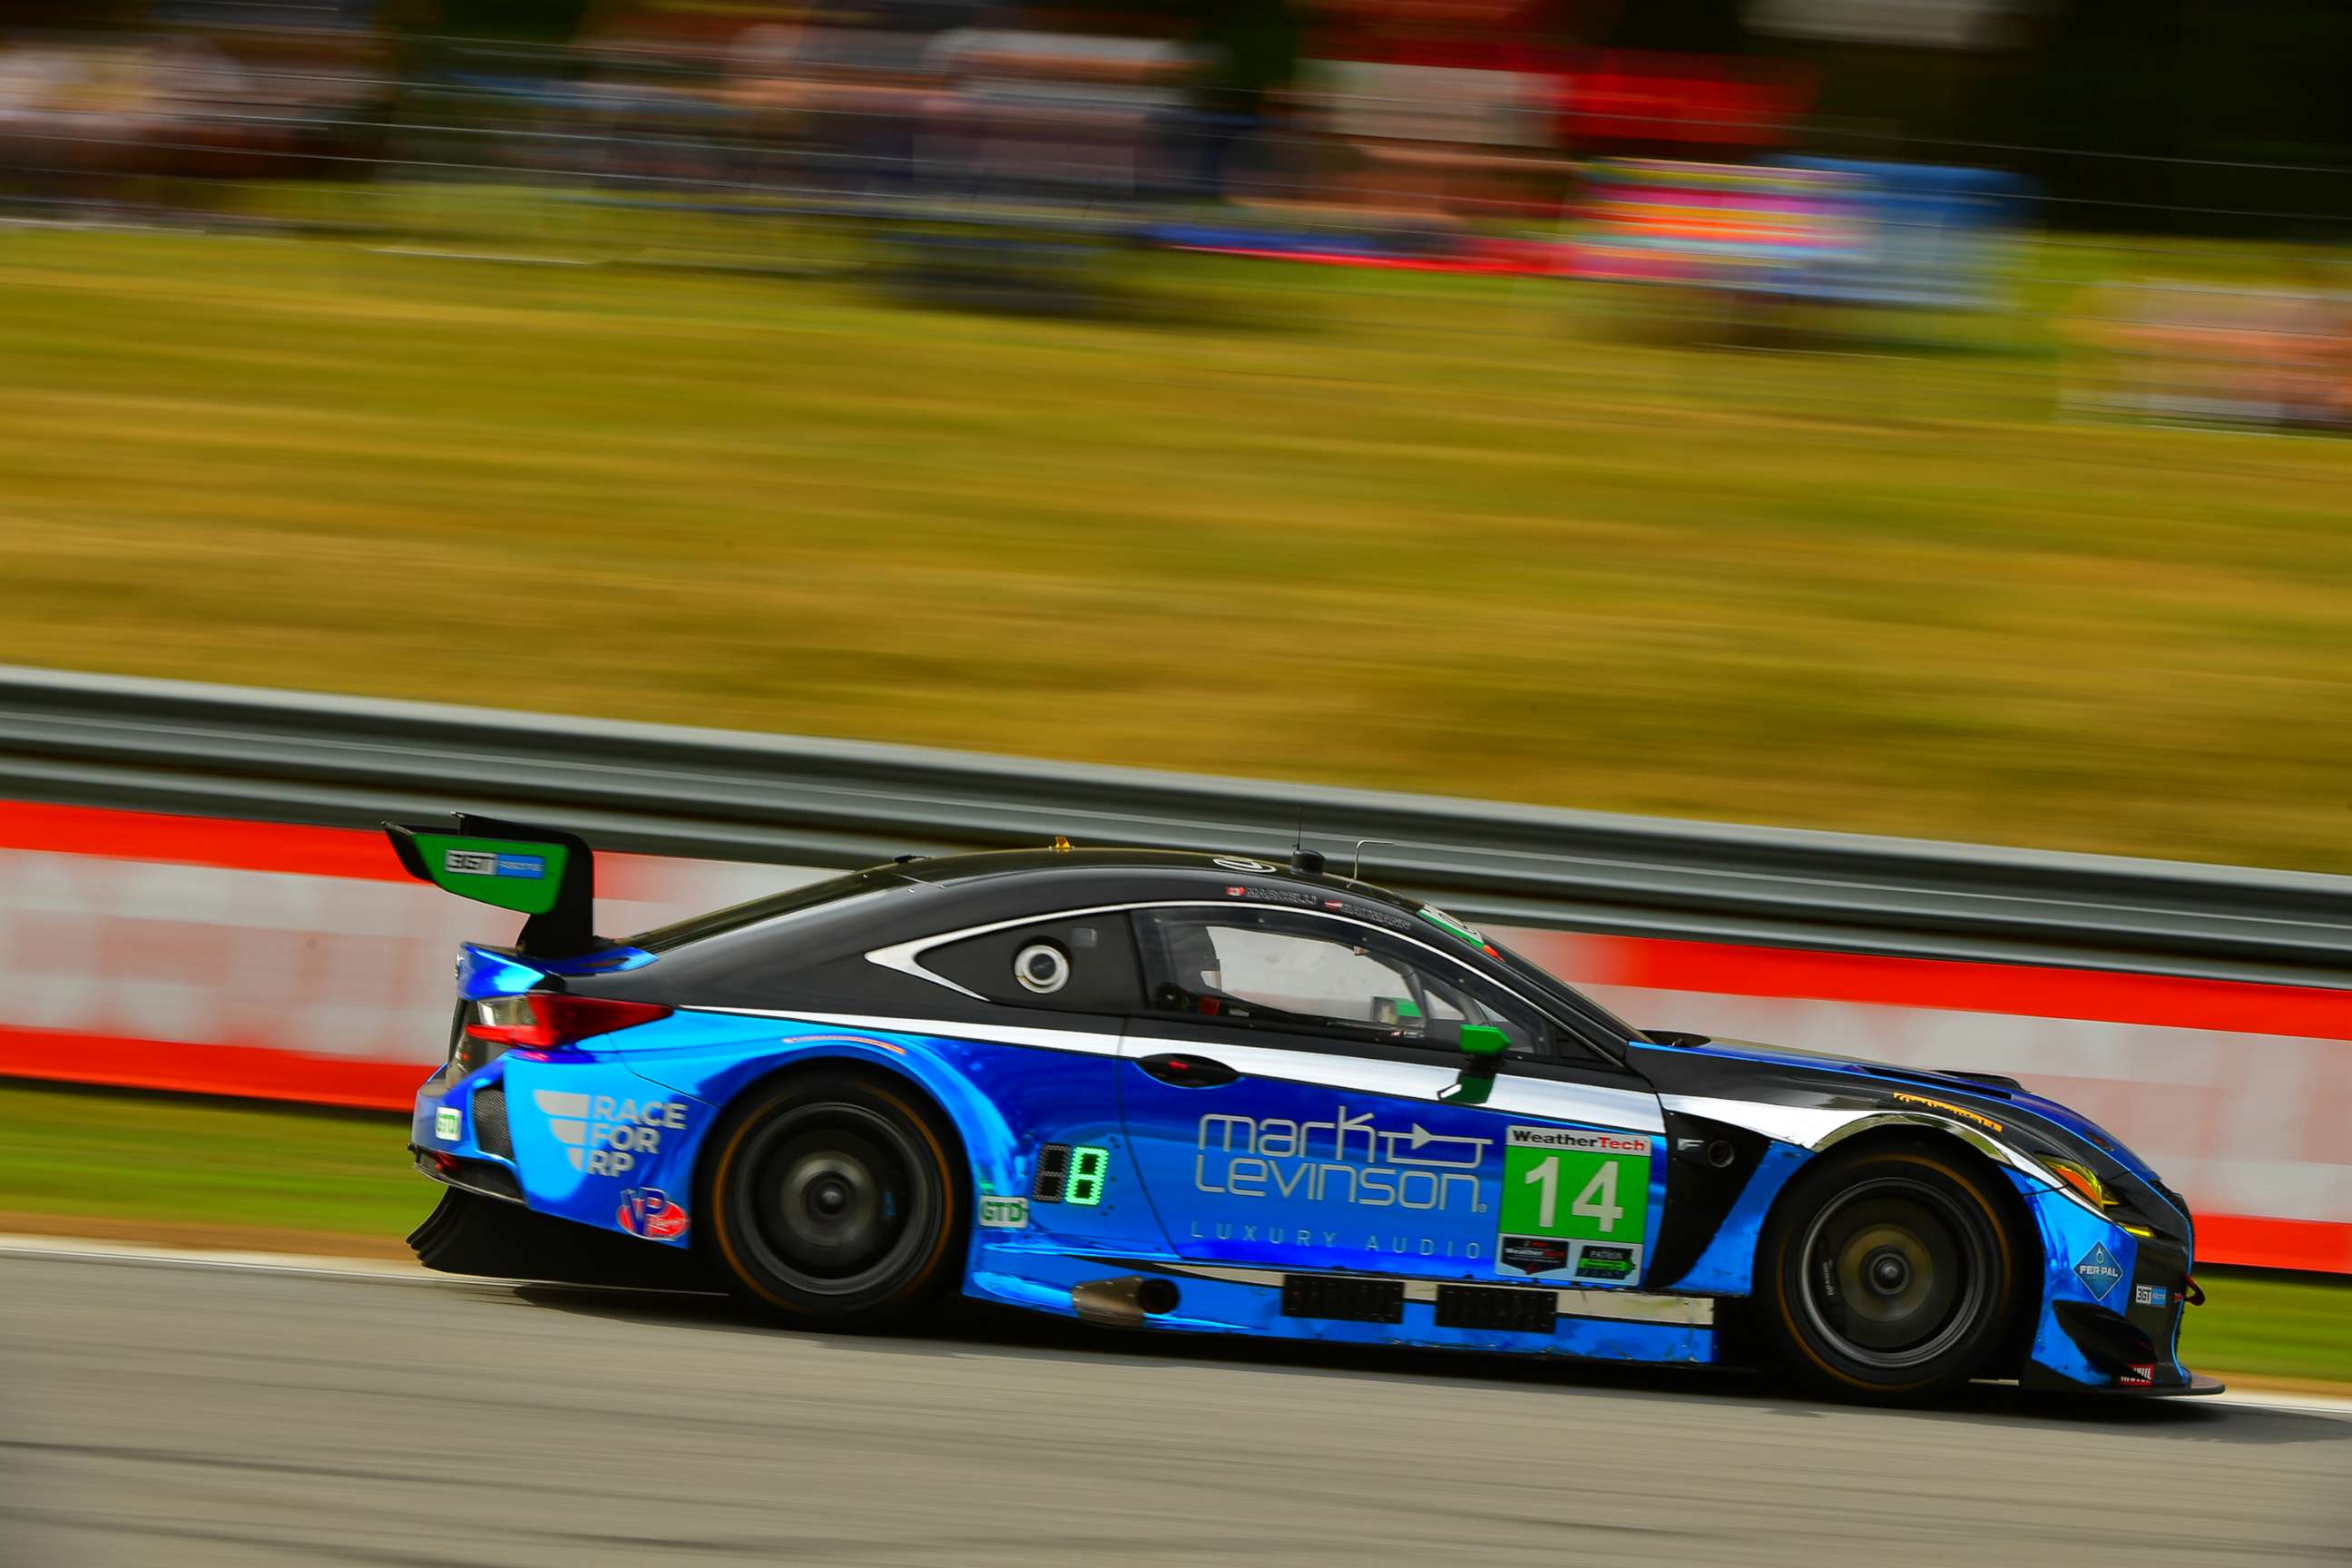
{"points": [[1561, 994], [1547, 986]]}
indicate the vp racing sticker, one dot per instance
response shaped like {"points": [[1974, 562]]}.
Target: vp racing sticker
{"points": [[648, 1212], [1575, 1206]]}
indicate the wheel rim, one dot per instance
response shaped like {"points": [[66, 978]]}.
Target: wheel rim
{"points": [[838, 1198], [1895, 1273]]}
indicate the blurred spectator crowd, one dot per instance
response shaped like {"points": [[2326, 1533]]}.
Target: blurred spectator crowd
{"points": [[1435, 108], [1521, 136]]}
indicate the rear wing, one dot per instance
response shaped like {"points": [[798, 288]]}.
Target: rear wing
{"points": [[542, 873]]}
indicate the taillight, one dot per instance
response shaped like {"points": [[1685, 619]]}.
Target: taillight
{"points": [[542, 1020]]}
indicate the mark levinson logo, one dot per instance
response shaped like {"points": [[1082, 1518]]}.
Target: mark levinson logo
{"points": [[1347, 1159]]}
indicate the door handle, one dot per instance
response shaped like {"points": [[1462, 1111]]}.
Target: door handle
{"points": [[1186, 1070]]}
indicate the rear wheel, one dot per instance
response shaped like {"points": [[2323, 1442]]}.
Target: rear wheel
{"points": [[833, 1196], [1888, 1274]]}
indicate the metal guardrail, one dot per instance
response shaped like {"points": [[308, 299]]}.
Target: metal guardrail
{"points": [[236, 751]]}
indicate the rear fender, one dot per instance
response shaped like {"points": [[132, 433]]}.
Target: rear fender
{"points": [[717, 1076], [1002, 1101]]}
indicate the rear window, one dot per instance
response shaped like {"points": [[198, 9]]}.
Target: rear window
{"points": [[795, 900]]}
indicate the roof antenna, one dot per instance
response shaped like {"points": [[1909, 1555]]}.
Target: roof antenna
{"points": [[1356, 874], [1305, 861]]}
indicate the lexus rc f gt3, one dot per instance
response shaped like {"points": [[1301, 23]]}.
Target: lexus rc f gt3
{"points": [[1216, 1094]]}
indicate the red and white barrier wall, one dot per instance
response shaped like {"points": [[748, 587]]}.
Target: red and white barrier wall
{"points": [[300, 963]]}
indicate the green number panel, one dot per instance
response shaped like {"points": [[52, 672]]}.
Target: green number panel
{"points": [[1575, 1204]]}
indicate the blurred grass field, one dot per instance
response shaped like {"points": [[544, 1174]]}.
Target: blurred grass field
{"points": [[1471, 536], [184, 1169]]}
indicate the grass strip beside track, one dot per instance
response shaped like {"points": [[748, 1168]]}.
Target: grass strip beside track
{"points": [[198, 1169], [193, 1172], [1508, 539]]}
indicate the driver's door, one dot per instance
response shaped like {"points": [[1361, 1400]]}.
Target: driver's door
{"points": [[1295, 1096]]}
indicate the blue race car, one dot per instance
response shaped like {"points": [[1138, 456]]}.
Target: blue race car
{"points": [[1214, 1093]]}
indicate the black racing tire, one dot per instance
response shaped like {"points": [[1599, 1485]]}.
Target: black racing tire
{"points": [[833, 1197], [1889, 1275]]}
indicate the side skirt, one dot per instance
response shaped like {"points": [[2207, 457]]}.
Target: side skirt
{"points": [[1345, 1307]]}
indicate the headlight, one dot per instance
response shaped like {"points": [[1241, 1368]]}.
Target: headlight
{"points": [[2085, 1184], [2082, 1184]]}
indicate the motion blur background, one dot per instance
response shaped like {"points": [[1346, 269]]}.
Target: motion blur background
{"points": [[1918, 415], [1910, 416]]}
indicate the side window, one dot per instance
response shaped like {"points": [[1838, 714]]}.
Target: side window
{"points": [[1272, 969], [1068, 965]]}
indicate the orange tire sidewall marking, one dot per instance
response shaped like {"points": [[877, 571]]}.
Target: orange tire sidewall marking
{"points": [[1780, 1277], [948, 1197]]}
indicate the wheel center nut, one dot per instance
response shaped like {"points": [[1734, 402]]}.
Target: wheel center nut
{"points": [[1888, 1273], [829, 1198]]}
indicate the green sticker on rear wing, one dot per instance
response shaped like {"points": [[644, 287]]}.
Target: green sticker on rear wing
{"points": [[512, 873], [541, 872]]}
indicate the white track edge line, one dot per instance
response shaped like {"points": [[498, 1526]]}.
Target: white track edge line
{"points": [[66, 1248], [72, 1250]]}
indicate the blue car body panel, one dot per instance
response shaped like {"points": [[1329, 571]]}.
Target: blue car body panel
{"points": [[594, 1129], [1557, 1204]]}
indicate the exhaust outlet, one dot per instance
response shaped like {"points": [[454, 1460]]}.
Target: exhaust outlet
{"points": [[1124, 1302]]}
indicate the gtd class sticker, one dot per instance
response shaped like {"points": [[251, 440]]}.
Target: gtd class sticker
{"points": [[1575, 1206]]}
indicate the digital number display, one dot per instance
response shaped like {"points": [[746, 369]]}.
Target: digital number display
{"points": [[1070, 1174], [1053, 1173], [1088, 1167]]}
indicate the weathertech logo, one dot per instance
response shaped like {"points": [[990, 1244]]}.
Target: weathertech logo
{"points": [[602, 1135], [1583, 1142]]}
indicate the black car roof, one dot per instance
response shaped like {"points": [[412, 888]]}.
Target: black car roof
{"points": [[1010, 883], [1196, 865], [917, 896]]}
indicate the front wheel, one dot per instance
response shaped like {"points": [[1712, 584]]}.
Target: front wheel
{"points": [[833, 1196], [1889, 1274]]}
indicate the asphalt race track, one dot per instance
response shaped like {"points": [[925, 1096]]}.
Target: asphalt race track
{"points": [[175, 1414]]}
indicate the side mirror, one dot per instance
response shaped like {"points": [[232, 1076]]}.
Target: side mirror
{"points": [[1483, 1045], [1484, 1040]]}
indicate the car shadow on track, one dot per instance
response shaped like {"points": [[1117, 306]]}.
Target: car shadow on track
{"points": [[967, 1328]]}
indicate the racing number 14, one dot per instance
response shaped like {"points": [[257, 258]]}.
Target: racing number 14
{"points": [[1598, 1200]]}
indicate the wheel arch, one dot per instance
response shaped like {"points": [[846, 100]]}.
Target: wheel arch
{"points": [[918, 1092], [938, 1092], [1977, 1153]]}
